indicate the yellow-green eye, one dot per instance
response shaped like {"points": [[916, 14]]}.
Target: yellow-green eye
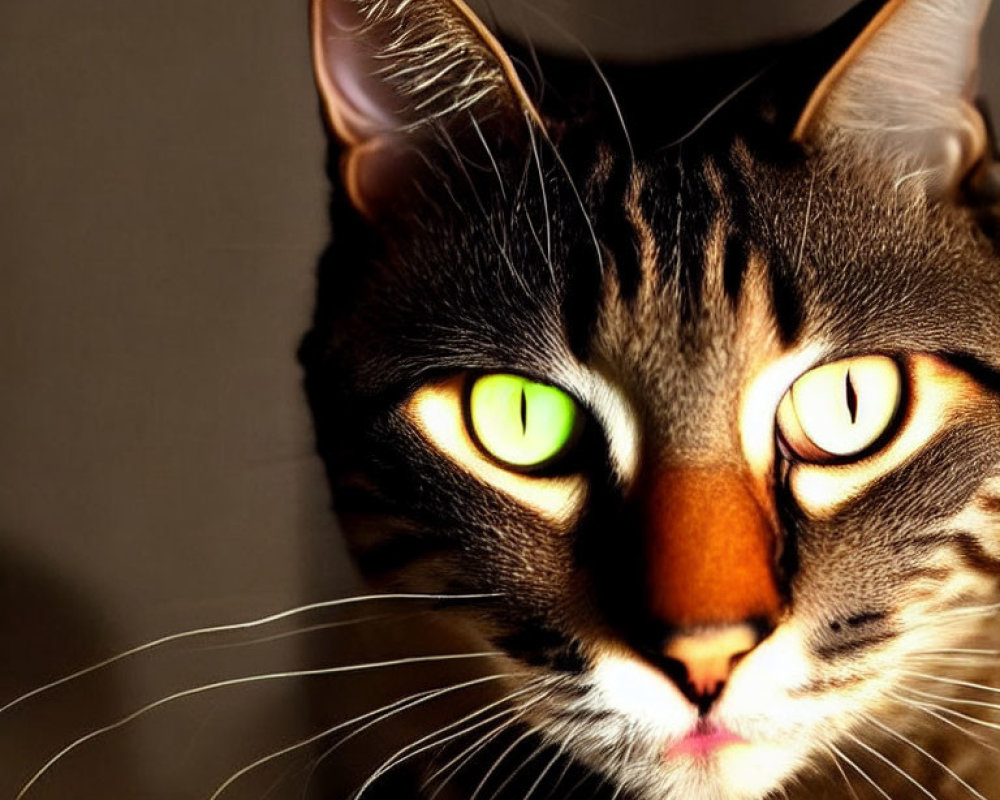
{"points": [[519, 422], [839, 410]]}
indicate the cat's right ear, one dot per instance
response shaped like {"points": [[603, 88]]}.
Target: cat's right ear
{"points": [[901, 92], [394, 75]]}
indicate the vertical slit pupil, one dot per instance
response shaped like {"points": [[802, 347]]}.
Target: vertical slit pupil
{"points": [[852, 398], [524, 412]]}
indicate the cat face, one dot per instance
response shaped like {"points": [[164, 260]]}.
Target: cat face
{"points": [[711, 426]]}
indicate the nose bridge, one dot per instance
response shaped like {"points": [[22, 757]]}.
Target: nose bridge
{"points": [[710, 548]]}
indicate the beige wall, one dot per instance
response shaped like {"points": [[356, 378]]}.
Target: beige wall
{"points": [[161, 208]]}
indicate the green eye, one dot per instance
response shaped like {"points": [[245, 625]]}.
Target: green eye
{"points": [[519, 422]]}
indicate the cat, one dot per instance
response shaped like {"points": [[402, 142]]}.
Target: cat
{"points": [[690, 425]]}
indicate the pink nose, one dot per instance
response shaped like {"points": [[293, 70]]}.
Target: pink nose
{"points": [[709, 657]]}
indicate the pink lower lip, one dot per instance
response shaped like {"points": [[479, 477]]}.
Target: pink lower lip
{"points": [[702, 741]]}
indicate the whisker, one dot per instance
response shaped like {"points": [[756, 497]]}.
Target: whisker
{"points": [[598, 252], [545, 199], [955, 660], [390, 763], [971, 611], [602, 77], [953, 682], [725, 101], [415, 748], [967, 717], [895, 767], [251, 679], [228, 628], [506, 782], [544, 772], [323, 626], [932, 758], [805, 224], [464, 757], [860, 771], [926, 708], [515, 715], [587, 776], [960, 651], [380, 714], [625, 758], [530, 732], [500, 242], [489, 154], [840, 769], [562, 775], [956, 700]]}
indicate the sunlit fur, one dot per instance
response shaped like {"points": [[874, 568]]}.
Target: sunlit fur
{"points": [[677, 287]]}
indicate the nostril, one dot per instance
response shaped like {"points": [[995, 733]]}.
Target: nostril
{"points": [[675, 670], [737, 658], [700, 662]]}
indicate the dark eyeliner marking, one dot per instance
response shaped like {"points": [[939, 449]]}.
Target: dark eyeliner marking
{"points": [[852, 398], [524, 412]]}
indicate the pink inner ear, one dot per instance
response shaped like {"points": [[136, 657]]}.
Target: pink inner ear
{"points": [[359, 106]]}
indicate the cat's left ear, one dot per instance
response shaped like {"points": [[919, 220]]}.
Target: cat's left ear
{"points": [[901, 95], [395, 74]]}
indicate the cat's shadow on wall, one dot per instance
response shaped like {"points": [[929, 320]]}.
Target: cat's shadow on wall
{"points": [[49, 628]]}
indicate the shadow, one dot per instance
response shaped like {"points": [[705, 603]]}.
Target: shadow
{"points": [[49, 628]]}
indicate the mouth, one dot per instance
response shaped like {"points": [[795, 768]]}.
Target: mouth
{"points": [[702, 741]]}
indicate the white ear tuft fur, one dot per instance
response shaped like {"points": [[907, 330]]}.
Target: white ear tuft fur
{"points": [[902, 94]]}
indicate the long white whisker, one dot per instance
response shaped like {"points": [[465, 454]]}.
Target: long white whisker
{"points": [[228, 628], [967, 717], [895, 767], [489, 154], [860, 771], [959, 650], [927, 709], [805, 224], [562, 774], [380, 714], [955, 660], [956, 700], [462, 760], [271, 676], [579, 198], [501, 243], [840, 769], [971, 611], [544, 772], [625, 758], [436, 740], [545, 199], [415, 747], [718, 107], [922, 751], [391, 762], [530, 732], [419, 746], [953, 682], [464, 757], [585, 51], [513, 774], [323, 626], [587, 776]]}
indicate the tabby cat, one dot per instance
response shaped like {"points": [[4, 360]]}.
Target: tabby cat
{"points": [[691, 422]]}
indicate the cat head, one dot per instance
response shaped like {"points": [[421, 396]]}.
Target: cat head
{"points": [[714, 418]]}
